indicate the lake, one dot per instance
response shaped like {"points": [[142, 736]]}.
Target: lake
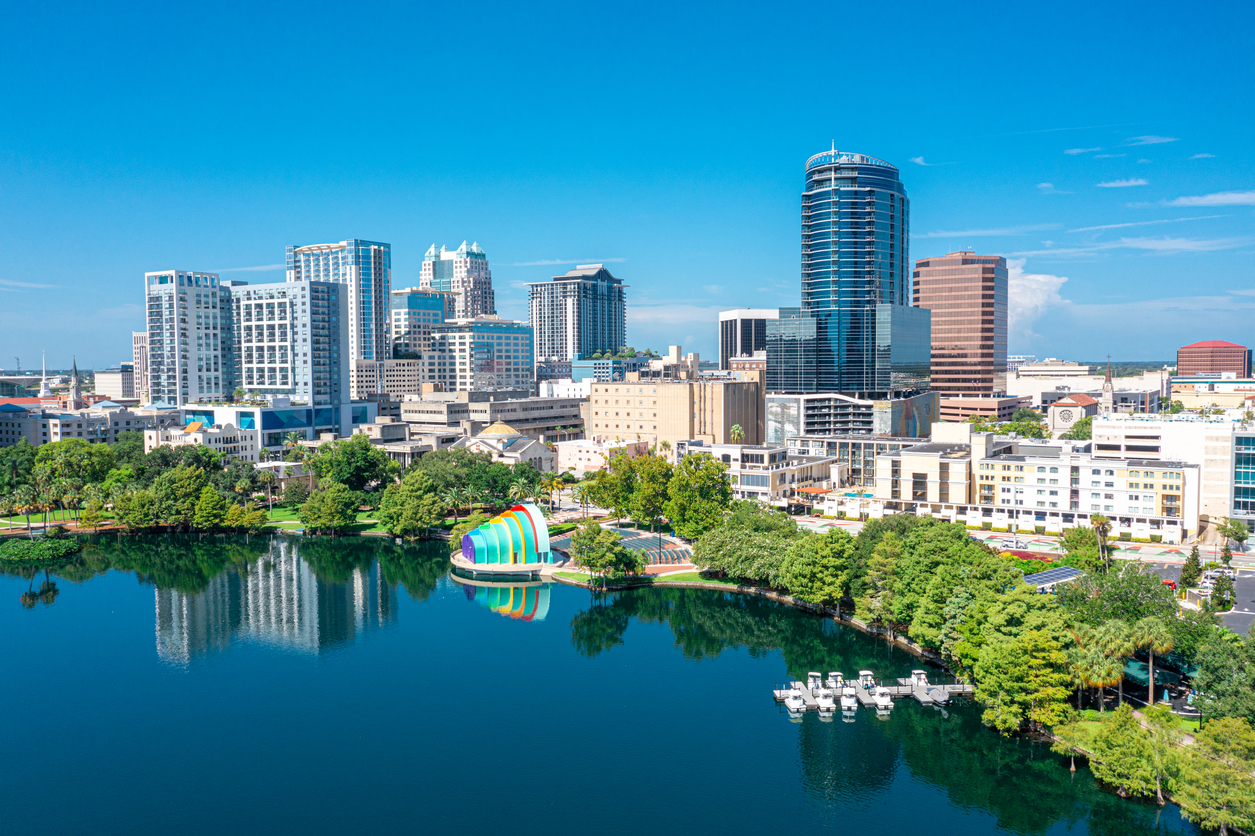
{"points": [[290, 685]]}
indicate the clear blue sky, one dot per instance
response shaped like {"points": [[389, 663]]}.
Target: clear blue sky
{"points": [[667, 140]]}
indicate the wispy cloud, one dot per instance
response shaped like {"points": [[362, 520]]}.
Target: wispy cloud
{"points": [[1158, 246], [1203, 157], [260, 268], [550, 262], [1108, 156], [920, 161], [1049, 188], [1142, 162], [713, 289], [1145, 223], [1150, 140], [7, 284], [989, 233], [1075, 151], [1123, 184], [1215, 199]]}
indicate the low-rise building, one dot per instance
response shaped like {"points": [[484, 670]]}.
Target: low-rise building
{"points": [[116, 384], [103, 423], [1065, 413], [856, 451], [990, 408], [228, 440], [505, 444], [587, 455], [275, 420], [1228, 392], [666, 412], [833, 413], [764, 473], [542, 419]]}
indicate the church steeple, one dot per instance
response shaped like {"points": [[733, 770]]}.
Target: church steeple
{"points": [[74, 400], [44, 390], [1108, 392]]}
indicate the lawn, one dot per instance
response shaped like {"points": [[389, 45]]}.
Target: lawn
{"points": [[693, 577]]}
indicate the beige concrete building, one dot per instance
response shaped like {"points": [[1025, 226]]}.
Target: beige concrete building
{"points": [[116, 384], [139, 364], [767, 474], [229, 440], [542, 419], [592, 454], [655, 411], [395, 378], [503, 443]]}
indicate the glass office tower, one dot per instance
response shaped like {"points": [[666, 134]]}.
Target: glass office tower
{"points": [[855, 284]]}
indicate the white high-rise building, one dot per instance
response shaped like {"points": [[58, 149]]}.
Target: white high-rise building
{"points": [[463, 272], [290, 338], [189, 318], [139, 363], [365, 267], [578, 314]]}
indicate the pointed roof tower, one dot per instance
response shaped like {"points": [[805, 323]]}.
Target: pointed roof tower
{"points": [[44, 390]]}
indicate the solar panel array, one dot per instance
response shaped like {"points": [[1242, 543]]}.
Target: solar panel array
{"points": [[1063, 573]]}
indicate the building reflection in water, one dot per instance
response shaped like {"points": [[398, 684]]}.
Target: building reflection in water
{"points": [[278, 601], [526, 602]]}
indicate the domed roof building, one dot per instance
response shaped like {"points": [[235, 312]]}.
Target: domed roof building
{"points": [[503, 443]]}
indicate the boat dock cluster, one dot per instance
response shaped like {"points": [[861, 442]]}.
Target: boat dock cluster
{"points": [[824, 694]]}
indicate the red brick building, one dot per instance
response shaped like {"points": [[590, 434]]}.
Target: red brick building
{"points": [[1213, 357]]}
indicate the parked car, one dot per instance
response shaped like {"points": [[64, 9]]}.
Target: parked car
{"points": [[1171, 584]]}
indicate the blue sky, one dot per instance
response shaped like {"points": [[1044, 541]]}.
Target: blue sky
{"points": [[1106, 148]]}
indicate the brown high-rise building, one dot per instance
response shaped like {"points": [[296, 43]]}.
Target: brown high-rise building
{"points": [[967, 294], [1213, 357]]}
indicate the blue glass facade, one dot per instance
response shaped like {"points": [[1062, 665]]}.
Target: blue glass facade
{"points": [[1244, 476], [792, 352], [855, 223]]}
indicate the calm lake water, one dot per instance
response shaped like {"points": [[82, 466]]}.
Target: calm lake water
{"points": [[316, 686]]}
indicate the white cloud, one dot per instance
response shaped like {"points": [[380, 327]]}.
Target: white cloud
{"points": [[1123, 184], [1029, 296], [551, 262], [918, 160], [11, 284], [989, 233], [1049, 188], [1142, 161], [1150, 140], [1108, 156], [1145, 223], [1075, 151], [712, 289], [1160, 246], [1203, 157], [1216, 199], [261, 268]]}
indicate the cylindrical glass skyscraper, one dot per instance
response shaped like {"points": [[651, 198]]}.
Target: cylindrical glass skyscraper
{"points": [[855, 278]]}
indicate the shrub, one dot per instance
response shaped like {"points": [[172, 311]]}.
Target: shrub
{"points": [[1125, 536], [33, 551]]}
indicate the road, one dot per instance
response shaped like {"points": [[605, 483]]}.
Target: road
{"points": [[1238, 619]]}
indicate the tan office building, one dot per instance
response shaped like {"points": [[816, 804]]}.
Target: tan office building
{"points": [[967, 294], [678, 410]]}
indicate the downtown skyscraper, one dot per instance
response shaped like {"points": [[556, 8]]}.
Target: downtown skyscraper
{"points": [[578, 314], [463, 272], [856, 287], [967, 294], [365, 267]]}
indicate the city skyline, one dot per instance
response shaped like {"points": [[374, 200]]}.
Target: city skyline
{"points": [[1126, 219]]}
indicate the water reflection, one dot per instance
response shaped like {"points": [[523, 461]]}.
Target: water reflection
{"points": [[280, 601], [523, 601], [1024, 785]]}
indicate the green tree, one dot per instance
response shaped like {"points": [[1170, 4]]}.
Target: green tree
{"points": [[175, 494], [1224, 679], [1081, 548], [737, 434], [1102, 530], [748, 515], [649, 494], [1123, 756], [751, 556], [700, 494], [330, 510], [818, 569], [1026, 413], [603, 554], [1222, 595], [233, 520], [238, 394], [353, 462], [211, 509], [880, 600], [1116, 639], [614, 486], [267, 478], [295, 493], [93, 515], [1153, 634], [1192, 570], [76, 458], [472, 522], [1215, 788], [411, 506], [16, 463], [1082, 430], [1163, 737]]}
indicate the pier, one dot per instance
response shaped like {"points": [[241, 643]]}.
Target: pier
{"points": [[916, 687]]}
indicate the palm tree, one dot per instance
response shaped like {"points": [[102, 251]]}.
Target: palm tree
{"points": [[267, 478], [1115, 640], [552, 486], [1102, 528], [452, 497], [1152, 634], [293, 439], [26, 500], [579, 493], [737, 434], [263, 455], [520, 489]]}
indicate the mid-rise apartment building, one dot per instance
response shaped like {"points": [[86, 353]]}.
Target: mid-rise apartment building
{"points": [[483, 354], [857, 452], [967, 294], [463, 272], [290, 339], [189, 337], [1213, 358], [365, 269], [769, 474], [415, 312], [743, 333], [139, 363], [578, 314], [672, 411]]}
